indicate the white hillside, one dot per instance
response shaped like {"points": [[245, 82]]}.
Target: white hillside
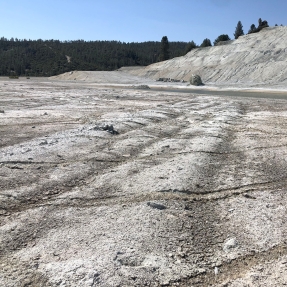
{"points": [[259, 58]]}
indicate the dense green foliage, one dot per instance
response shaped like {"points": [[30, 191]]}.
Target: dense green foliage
{"points": [[261, 25], [191, 45], [52, 57], [238, 30], [164, 49], [252, 29], [206, 43], [221, 38]]}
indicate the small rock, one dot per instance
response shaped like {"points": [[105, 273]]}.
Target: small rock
{"points": [[2, 112], [249, 196], [44, 142], [165, 283], [195, 80], [230, 244], [156, 205]]}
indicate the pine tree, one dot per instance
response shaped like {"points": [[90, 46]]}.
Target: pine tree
{"points": [[238, 30], [252, 29], [164, 49], [259, 22], [206, 43]]}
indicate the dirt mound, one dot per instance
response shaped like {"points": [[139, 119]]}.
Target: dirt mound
{"points": [[107, 77]]}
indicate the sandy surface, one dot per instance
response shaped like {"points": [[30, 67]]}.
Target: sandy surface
{"points": [[184, 190]]}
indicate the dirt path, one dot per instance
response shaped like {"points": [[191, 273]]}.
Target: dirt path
{"points": [[182, 190]]}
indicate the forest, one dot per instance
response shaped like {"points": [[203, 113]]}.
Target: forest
{"points": [[53, 57]]}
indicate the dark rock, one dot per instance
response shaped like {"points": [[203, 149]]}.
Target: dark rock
{"points": [[110, 129], [249, 196], [156, 205]]}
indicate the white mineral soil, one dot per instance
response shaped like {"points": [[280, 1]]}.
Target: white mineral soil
{"points": [[106, 184]]}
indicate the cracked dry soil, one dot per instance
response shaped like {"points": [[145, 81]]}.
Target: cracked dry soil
{"points": [[190, 192]]}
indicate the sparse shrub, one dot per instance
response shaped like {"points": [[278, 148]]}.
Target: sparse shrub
{"points": [[221, 38], [261, 25]]}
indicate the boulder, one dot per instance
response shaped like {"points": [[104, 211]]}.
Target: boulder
{"points": [[195, 80]]}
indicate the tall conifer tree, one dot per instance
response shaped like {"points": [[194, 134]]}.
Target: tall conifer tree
{"points": [[164, 49], [238, 30]]}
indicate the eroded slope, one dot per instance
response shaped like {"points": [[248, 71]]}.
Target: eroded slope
{"points": [[259, 58]]}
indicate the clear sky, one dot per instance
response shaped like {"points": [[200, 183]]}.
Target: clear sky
{"points": [[134, 20]]}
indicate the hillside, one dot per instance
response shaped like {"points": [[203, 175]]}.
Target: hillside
{"points": [[258, 58]]}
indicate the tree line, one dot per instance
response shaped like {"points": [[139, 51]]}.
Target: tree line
{"points": [[52, 57]]}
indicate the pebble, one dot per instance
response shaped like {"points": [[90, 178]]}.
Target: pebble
{"points": [[230, 244]]}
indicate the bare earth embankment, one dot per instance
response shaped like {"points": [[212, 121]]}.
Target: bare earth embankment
{"points": [[104, 182], [255, 60]]}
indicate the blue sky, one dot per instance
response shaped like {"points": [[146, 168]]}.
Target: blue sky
{"points": [[134, 20]]}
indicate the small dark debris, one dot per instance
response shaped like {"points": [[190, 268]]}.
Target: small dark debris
{"points": [[156, 205], [169, 80], [33, 127], [2, 112], [141, 87], [15, 167], [110, 129], [248, 196], [44, 142]]}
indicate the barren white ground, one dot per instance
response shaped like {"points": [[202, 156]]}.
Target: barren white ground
{"points": [[190, 191]]}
